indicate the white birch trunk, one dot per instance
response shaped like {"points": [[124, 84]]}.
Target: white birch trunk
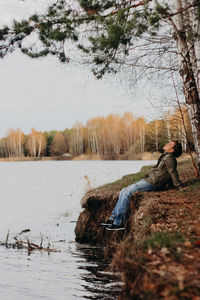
{"points": [[142, 138], [169, 137], [156, 135], [33, 146], [189, 65], [195, 27], [39, 145]]}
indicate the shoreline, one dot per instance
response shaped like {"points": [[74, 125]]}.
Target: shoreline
{"points": [[158, 254], [145, 156], [44, 158]]}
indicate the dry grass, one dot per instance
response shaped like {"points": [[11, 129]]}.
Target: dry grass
{"points": [[87, 157]]}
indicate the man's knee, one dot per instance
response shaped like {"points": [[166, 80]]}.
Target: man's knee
{"points": [[123, 191], [126, 193]]}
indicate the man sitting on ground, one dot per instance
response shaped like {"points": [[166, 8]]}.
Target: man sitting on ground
{"points": [[163, 174]]}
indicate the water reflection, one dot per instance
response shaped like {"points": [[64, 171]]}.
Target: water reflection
{"points": [[97, 280]]}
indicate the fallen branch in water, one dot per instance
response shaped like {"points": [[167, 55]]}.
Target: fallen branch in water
{"points": [[29, 246]]}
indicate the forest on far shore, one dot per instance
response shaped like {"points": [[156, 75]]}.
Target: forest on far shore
{"points": [[111, 137]]}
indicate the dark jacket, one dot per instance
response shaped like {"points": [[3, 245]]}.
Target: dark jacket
{"points": [[164, 173]]}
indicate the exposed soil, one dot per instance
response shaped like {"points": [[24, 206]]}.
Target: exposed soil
{"points": [[158, 255]]}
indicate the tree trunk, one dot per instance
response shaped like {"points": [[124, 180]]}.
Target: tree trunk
{"points": [[189, 50], [156, 135], [39, 145], [168, 130]]}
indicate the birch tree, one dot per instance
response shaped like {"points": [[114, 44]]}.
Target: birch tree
{"points": [[40, 143], [186, 24], [93, 129], [36, 143], [76, 141], [31, 143], [14, 143]]}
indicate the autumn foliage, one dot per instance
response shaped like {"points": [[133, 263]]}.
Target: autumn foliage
{"points": [[111, 137]]}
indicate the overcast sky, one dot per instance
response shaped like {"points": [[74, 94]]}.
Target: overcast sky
{"points": [[47, 95]]}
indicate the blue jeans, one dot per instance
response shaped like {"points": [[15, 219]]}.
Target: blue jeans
{"points": [[119, 212]]}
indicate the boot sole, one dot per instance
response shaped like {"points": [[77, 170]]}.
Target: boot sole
{"points": [[115, 229]]}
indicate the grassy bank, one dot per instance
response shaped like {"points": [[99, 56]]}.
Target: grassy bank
{"points": [[158, 255]]}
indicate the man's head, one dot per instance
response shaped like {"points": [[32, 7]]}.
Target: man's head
{"points": [[173, 147]]}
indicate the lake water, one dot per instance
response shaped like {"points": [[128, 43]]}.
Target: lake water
{"points": [[45, 198]]}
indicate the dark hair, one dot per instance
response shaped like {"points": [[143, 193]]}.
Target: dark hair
{"points": [[177, 149]]}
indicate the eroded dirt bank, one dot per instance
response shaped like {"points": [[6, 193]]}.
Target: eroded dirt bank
{"points": [[158, 255]]}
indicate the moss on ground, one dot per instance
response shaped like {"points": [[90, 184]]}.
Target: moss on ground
{"points": [[163, 239]]}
